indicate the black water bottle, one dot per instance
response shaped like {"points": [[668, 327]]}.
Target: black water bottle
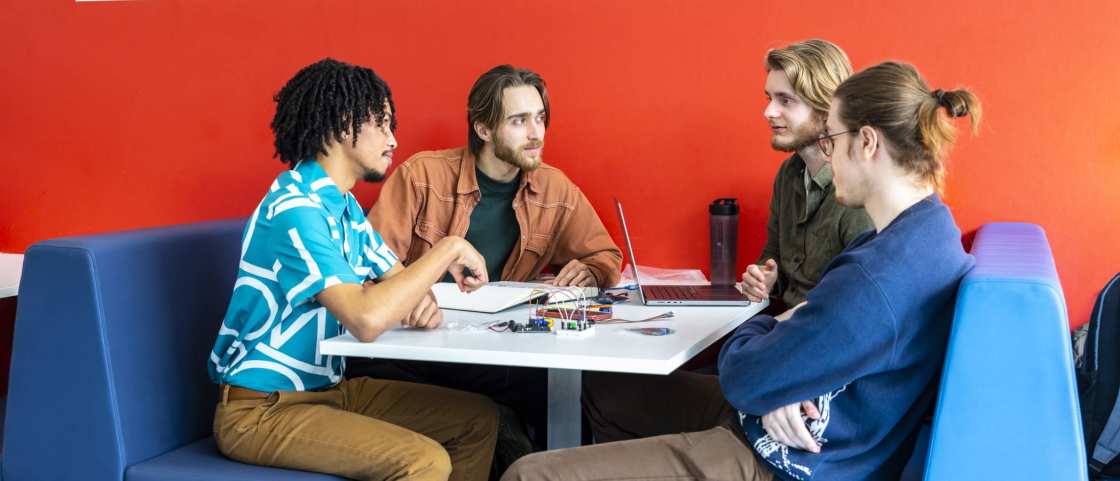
{"points": [[724, 217]]}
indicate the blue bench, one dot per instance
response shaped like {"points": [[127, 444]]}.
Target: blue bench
{"points": [[1007, 405], [108, 378], [109, 358]]}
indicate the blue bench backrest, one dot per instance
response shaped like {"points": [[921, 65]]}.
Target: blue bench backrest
{"points": [[1007, 406], [111, 340]]}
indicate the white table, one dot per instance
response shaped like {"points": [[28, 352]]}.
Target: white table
{"points": [[11, 265], [465, 339]]}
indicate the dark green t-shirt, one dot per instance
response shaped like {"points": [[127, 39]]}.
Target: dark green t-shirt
{"points": [[494, 230]]}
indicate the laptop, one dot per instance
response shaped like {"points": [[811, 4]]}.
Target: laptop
{"points": [[678, 295]]}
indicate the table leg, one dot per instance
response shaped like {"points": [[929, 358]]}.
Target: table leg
{"points": [[564, 387]]}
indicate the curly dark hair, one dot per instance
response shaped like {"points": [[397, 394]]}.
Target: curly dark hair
{"points": [[323, 101]]}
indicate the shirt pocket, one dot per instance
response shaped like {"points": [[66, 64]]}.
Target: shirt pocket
{"points": [[538, 243], [823, 245], [425, 234]]}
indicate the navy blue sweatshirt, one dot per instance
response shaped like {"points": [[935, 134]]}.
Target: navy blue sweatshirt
{"points": [[867, 349]]}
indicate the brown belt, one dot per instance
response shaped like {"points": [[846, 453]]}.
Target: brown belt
{"points": [[238, 393]]}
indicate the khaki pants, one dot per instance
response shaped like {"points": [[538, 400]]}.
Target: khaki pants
{"points": [[715, 454], [712, 446], [364, 429]]}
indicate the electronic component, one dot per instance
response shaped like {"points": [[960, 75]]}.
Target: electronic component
{"points": [[533, 326]]}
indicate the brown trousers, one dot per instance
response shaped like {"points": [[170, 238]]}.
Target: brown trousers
{"points": [[364, 429], [696, 434]]}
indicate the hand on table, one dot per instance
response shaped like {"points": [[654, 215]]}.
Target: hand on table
{"points": [[574, 273]]}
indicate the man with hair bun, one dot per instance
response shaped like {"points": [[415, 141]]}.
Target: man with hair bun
{"points": [[834, 388], [805, 230]]}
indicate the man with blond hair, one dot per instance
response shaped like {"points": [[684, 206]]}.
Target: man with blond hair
{"points": [[834, 388], [807, 227]]}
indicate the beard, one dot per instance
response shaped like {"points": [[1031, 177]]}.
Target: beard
{"points": [[516, 156], [373, 176], [804, 135]]}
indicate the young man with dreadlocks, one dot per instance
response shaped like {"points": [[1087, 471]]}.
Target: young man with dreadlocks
{"points": [[312, 266]]}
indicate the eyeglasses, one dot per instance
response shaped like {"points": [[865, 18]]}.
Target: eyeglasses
{"points": [[826, 143]]}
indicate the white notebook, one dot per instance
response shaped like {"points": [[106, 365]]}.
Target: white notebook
{"points": [[499, 296]]}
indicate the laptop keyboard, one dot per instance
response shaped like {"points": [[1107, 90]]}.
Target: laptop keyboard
{"points": [[674, 292]]}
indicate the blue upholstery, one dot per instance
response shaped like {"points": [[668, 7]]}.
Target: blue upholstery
{"points": [[183, 465], [109, 357], [1007, 405], [108, 377]]}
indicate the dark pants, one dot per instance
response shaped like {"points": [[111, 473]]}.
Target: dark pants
{"points": [[621, 407], [520, 392]]}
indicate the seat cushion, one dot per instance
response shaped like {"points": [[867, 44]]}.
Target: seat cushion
{"points": [[201, 461]]}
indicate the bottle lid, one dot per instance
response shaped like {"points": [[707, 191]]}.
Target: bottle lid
{"points": [[723, 206]]}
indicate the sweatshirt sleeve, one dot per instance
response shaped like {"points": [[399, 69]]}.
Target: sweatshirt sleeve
{"points": [[845, 331]]}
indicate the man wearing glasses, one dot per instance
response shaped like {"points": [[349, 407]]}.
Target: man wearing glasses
{"points": [[806, 228], [834, 388]]}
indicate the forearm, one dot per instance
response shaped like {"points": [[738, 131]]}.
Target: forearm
{"points": [[770, 250], [371, 309], [584, 238], [844, 331], [759, 374], [604, 266]]}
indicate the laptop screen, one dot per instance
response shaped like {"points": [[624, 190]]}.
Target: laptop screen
{"points": [[630, 249]]}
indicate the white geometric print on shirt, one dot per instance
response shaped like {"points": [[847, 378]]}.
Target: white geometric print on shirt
{"points": [[313, 273], [778, 454], [269, 337]]}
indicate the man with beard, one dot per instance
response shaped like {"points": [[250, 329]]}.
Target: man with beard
{"points": [[835, 388], [807, 227], [523, 216], [309, 258]]}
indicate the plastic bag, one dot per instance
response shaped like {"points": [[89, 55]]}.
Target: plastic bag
{"points": [[652, 276]]}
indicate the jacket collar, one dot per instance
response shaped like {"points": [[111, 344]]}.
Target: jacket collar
{"points": [[311, 174], [468, 181]]}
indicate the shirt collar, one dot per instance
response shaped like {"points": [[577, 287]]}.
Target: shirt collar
{"points": [[321, 185], [823, 178], [468, 181]]}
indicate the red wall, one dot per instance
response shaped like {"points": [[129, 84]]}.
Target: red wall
{"points": [[123, 115]]}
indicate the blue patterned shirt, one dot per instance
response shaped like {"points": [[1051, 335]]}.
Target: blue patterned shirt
{"points": [[305, 236]]}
